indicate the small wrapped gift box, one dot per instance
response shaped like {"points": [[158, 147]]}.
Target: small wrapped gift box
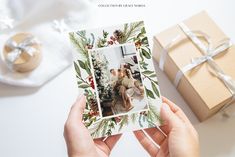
{"points": [[22, 52], [200, 60]]}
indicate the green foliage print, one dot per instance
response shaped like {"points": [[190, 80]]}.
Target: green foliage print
{"points": [[132, 32]]}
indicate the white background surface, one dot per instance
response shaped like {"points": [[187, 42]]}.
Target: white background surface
{"points": [[32, 119]]}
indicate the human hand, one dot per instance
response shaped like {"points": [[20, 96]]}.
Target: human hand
{"points": [[78, 139], [181, 138]]}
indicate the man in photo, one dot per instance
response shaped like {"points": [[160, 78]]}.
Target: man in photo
{"points": [[113, 76]]}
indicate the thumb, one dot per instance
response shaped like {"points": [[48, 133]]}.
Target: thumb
{"points": [[169, 118], [77, 109]]}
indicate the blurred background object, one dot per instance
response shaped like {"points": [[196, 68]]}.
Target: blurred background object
{"points": [[49, 21]]}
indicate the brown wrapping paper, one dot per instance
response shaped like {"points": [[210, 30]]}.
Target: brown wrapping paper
{"points": [[205, 93]]}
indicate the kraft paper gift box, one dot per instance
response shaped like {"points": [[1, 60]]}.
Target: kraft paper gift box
{"points": [[201, 86]]}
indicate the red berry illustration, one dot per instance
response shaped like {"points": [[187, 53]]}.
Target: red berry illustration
{"points": [[110, 42], [112, 38], [91, 82], [117, 119], [138, 44]]}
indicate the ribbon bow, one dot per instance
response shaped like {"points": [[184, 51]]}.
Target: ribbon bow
{"points": [[18, 48], [208, 53]]}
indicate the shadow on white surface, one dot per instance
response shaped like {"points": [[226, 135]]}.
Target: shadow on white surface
{"points": [[168, 90], [216, 135], [32, 121], [127, 145], [11, 91]]}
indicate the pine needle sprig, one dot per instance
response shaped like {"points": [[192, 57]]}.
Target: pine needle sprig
{"points": [[79, 44], [134, 117], [124, 122], [133, 28], [98, 128]]}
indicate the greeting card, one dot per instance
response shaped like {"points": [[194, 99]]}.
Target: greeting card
{"points": [[114, 70]]}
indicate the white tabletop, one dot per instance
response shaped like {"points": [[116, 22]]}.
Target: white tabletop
{"points": [[32, 119]]}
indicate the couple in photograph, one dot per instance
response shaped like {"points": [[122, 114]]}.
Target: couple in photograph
{"points": [[125, 86]]}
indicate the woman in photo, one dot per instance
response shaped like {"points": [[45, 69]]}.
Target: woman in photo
{"points": [[120, 89], [113, 77], [132, 88], [126, 86]]}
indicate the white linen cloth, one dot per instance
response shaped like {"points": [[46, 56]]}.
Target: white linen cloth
{"points": [[37, 19]]}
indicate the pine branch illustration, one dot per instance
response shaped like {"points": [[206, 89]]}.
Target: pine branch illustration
{"points": [[134, 117], [98, 128], [125, 28], [78, 44], [134, 27], [105, 128], [123, 122]]}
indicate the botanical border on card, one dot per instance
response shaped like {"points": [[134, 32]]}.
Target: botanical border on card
{"points": [[83, 42]]}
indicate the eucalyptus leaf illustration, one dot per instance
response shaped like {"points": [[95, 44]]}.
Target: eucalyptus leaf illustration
{"points": [[149, 93], [146, 53], [77, 69], [155, 89], [82, 65], [148, 72], [84, 86]]}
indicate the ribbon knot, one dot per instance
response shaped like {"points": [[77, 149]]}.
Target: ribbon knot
{"points": [[207, 50], [18, 48], [199, 60], [208, 57]]}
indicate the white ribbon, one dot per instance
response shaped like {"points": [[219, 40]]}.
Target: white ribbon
{"points": [[18, 48], [175, 41], [208, 54], [165, 51]]}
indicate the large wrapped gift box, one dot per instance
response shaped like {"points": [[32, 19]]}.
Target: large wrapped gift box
{"points": [[202, 86]]}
